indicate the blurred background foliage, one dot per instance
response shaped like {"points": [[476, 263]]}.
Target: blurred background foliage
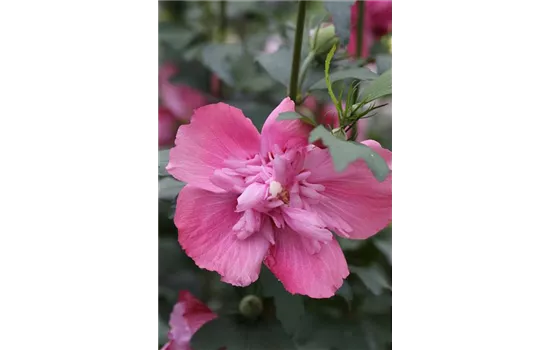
{"points": [[241, 53]]}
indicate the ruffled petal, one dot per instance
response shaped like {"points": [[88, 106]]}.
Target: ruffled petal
{"points": [[357, 205], [284, 134], [217, 132], [205, 222], [316, 275]]}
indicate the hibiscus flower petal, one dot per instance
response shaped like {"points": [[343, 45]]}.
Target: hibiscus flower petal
{"points": [[189, 314], [357, 205], [283, 134], [195, 312], [180, 99], [167, 128], [205, 223], [315, 275], [217, 132]]}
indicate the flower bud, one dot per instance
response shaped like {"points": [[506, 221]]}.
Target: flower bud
{"points": [[326, 38], [386, 41], [251, 306]]}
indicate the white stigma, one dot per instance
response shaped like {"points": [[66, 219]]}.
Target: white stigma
{"points": [[275, 188]]}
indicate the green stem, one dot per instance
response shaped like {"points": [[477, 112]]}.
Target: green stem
{"points": [[223, 20], [300, 21], [360, 26], [216, 83], [359, 37]]}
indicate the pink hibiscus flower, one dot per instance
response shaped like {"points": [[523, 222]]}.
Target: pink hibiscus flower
{"points": [[168, 127], [271, 198], [180, 100], [376, 24], [189, 314]]}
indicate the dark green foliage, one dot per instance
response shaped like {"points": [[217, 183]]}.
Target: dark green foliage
{"points": [[359, 315]]}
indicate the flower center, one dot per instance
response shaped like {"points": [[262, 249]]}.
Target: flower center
{"points": [[273, 193], [276, 190]]}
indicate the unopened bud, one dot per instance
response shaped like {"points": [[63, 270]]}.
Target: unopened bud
{"points": [[251, 306], [386, 41], [325, 40]]}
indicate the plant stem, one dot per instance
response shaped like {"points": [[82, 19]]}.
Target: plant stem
{"points": [[223, 20], [360, 26], [359, 42], [300, 21], [215, 82]]}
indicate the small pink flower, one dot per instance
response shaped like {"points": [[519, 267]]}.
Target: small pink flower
{"points": [[181, 100], [189, 314], [376, 24], [271, 198], [168, 127], [329, 116], [273, 43]]}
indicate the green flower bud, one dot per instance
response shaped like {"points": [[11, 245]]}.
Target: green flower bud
{"points": [[326, 38], [386, 41], [251, 306]]}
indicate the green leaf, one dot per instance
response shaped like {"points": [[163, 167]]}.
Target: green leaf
{"points": [[345, 292], [341, 15], [373, 276], [289, 308], [159, 330], [155, 166], [376, 304], [383, 63], [380, 87], [293, 116], [327, 333], [349, 244], [289, 116], [235, 333], [164, 156], [377, 330], [176, 270], [177, 36], [193, 74], [256, 111], [314, 74], [277, 65], [383, 243], [361, 73], [243, 10], [219, 58], [345, 152], [169, 188], [249, 76]]}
